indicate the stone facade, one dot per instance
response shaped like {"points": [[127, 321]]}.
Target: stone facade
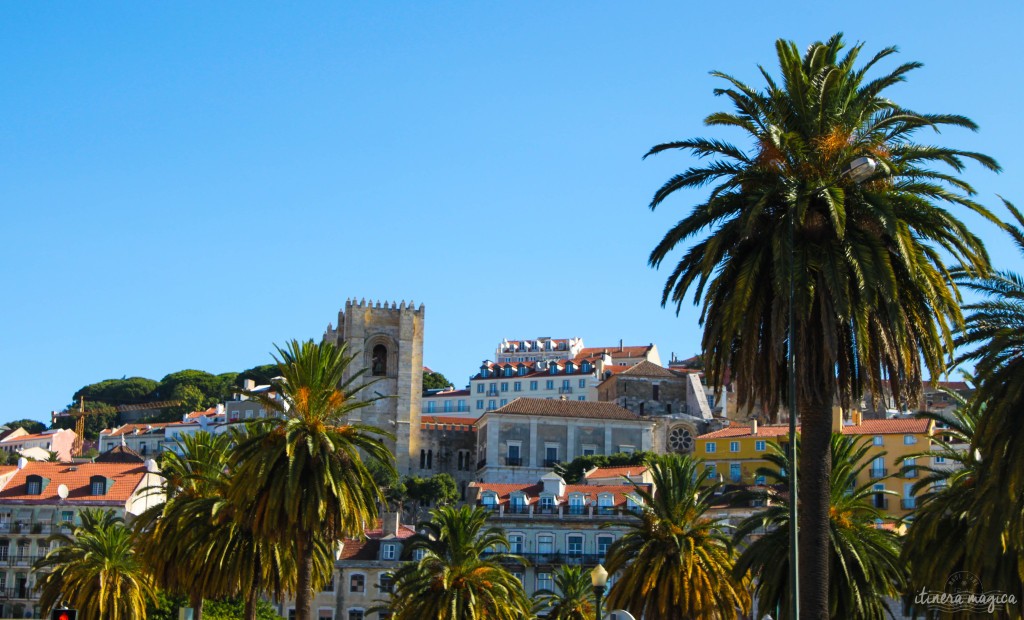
{"points": [[387, 343]]}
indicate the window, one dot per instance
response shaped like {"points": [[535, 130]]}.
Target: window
{"points": [[325, 614], [735, 472], [387, 552], [34, 485], [517, 386], [545, 543], [581, 398], [734, 446], [479, 388], [489, 500], [513, 455], [544, 581], [940, 460], [583, 383], [479, 404], [356, 614], [430, 407], [533, 386], [657, 392], [517, 503], [417, 554], [909, 440], [492, 404], [447, 406], [576, 504], [589, 449], [759, 445], [574, 543], [712, 469], [387, 582], [603, 543], [550, 454], [710, 447], [547, 502], [329, 586], [627, 449], [877, 440], [504, 386], [380, 361], [911, 471], [549, 384], [515, 543], [504, 401], [759, 480], [357, 583], [97, 485]]}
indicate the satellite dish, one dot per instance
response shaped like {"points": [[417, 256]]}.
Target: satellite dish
{"points": [[62, 491]]}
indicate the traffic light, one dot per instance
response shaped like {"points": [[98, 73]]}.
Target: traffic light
{"points": [[64, 614]]}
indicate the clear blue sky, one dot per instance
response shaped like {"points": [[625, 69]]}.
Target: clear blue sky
{"points": [[184, 184]]}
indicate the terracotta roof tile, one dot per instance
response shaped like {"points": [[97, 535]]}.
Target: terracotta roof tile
{"points": [[462, 424], [743, 430], [533, 491], [566, 408], [126, 477], [893, 426], [34, 436], [615, 351], [615, 472], [144, 427], [649, 369]]}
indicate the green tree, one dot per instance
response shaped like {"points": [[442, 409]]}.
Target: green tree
{"points": [[572, 598], [675, 562], [189, 397], [872, 298], [863, 558], [301, 473], [124, 391], [436, 490], [261, 375], [31, 426], [231, 609], [210, 385], [434, 381], [95, 571], [460, 576]]}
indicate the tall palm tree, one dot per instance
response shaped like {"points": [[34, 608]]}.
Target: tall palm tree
{"points": [[873, 302], [95, 570], [675, 562], [572, 598], [300, 473], [864, 558], [461, 576]]}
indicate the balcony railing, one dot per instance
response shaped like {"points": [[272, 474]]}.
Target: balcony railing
{"points": [[557, 558], [565, 390], [23, 593], [551, 462], [908, 503], [492, 392], [879, 472], [32, 526], [514, 461]]}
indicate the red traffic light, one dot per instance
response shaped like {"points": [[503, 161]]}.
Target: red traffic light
{"points": [[64, 614]]}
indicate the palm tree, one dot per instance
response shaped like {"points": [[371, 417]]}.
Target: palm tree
{"points": [[95, 570], [863, 557], [300, 474], [461, 575], [872, 300], [675, 562], [573, 597]]}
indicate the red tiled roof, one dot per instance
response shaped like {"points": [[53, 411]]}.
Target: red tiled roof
{"points": [[897, 426], [209, 412], [368, 548], [447, 394], [566, 408], [649, 369], [126, 477], [449, 423], [533, 491], [34, 436], [614, 472], [615, 351], [145, 427], [893, 426]]}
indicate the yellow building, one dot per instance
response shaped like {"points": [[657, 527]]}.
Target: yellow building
{"points": [[736, 452]]}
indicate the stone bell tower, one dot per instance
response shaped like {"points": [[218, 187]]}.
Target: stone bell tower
{"points": [[387, 341]]}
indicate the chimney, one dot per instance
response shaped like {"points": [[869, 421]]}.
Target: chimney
{"points": [[249, 384], [620, 344], [390, 521], [753, 426], [857, 417], [837, 419]]}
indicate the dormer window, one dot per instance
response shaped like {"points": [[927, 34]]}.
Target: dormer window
{"points": [[569, 368], [489, 499], [522, 370], [98, 485], [387, 551], [553, 369], [508, 371], [35, 484], [585, 367]]}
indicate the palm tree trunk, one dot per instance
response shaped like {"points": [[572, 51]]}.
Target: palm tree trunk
{"points": [[815, 391], [304, 590], [196, 601], [250, 602]]}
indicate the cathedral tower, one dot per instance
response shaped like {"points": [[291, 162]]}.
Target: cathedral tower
{"points": [[387, 341]]}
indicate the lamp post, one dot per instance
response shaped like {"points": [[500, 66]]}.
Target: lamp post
{"points": [[599, 579]]}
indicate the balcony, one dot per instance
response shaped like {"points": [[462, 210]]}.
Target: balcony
{"points": [[23, 593], [551, 462], [879, 472], [557, 558], [492, 392], [514, 461], [518, 509], [908, 503], [565, 390]]}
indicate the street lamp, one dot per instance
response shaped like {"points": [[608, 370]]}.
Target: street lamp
{"points": [[599, 579]]}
